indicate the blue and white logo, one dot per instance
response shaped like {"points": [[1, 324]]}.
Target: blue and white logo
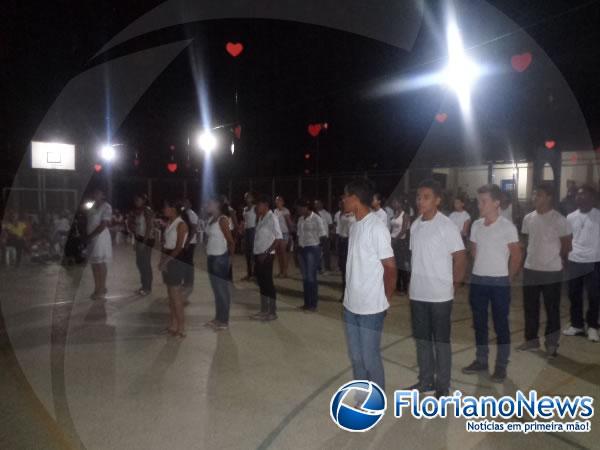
{"points": [[358, 406]]}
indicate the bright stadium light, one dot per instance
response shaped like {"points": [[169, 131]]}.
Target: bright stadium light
{"points": [[108, 153], [207, 141], [461, 73], [88, 205]]}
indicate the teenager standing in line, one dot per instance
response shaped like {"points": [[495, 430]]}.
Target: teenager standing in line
{"points": [[344, 221], [548, 237], [268, 237], [285, 224], [400, 227], [190, 247], [370, 283], [460, 217], [249, 214], [497, 259], [325, 263], [99, 217], [438, 266], [143, 231], [378, 210]]}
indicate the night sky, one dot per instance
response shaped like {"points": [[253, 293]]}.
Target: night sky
{"points": [[289, 75]]}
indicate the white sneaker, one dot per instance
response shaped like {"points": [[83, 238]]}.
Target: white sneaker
{"points": [[572, 331], [592, 334]]}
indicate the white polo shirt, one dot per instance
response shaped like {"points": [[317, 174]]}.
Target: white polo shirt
{"points": [[543, 248], [281, 214], [249, 217], [267, 231], [432, 243], [327, 220], [310, 230], [382, 215], [369, 243], [492, 255], [344, 223], [586, 236], [459, 219]]}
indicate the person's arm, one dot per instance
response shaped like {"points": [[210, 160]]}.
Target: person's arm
{"points": [[288, 220], [473, 249], [149, 217], [566, 246], [99, 229], [224, 225], [182, 229], [459, 267], [516, 259], [466, 225], [390, 274]]}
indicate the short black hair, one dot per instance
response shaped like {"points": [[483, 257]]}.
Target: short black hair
{"points": [[492, 189], [547, 188], [304, 203], [588, 188], [363, 189], [263, 199], [432, 184], [377, 196]]}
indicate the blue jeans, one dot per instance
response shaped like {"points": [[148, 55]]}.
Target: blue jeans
{"points": [[218, 274], [494, 291], [363, 333], [309, 259]]}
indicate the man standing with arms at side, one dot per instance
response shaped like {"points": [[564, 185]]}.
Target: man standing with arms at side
{"points": [[249, 214], [438, 265], [370, 283], [497, 254], [548, 238]]}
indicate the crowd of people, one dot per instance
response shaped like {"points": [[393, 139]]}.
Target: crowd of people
{"points": [[425, 248]]}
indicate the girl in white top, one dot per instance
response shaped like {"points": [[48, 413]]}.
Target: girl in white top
{"points": [[99, 242], [285, 224], [460, 217], [172, 267]]}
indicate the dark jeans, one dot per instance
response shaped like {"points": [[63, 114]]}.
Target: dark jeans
{"points": [[494, 291], [548, 284], [309, 264], [249, 249], [342, 255], [188, 259], [218, 274], [325, 254], [143, 260], [263, 268], [19, 245], [431, 326], [584, 276], [363, 333]]}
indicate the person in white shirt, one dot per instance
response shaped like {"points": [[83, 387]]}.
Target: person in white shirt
{"points": [[584, 264], [378, 210], [191, 219], [438, 265], [268, 236], [285, 223], [311, 232], [370, 283], [497, 259], [142, 227], [400, 227], [326, 244], [99, 242], [343, 222], [506, 207], [548, 237], [249, 214], [460, 217]]}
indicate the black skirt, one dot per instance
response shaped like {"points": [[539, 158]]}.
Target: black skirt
{"points": [[174, 273]]}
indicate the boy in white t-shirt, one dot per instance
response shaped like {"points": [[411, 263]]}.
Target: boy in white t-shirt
{"points": [[548, 240], [370, 283], [460, 217], [497, 259], [438, 264]]}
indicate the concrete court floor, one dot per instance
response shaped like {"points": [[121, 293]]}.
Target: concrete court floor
{"points": [[98, 375]]}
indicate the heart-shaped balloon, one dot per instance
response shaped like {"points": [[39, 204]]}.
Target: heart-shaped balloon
{"points": [[237, 131], [235, 49], [136, 162], [550, 144], [172, 167], [314, 129], [521, 62], [98, 167], [441, 117]]}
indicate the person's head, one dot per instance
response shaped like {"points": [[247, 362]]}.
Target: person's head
{"points": [[505, 200], [98, 195], [140, 200], [216, 206], [543, 196], [376, 202], [585, 197], [429, 197], [571, 188], [187, 204], [459, 203], [488, 200], [249, 198], [304, 207], [172, 208], [396, 204], [358, 193], [279, 202], [318, 205], [263, 205]]}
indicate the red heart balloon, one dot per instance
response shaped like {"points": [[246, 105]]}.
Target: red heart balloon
{"points": [[136, 162], [238, 131], [98, 167], [172, 167], [314, 129], [550, 144], [521, 62], [441, 117], [234, 48]]}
